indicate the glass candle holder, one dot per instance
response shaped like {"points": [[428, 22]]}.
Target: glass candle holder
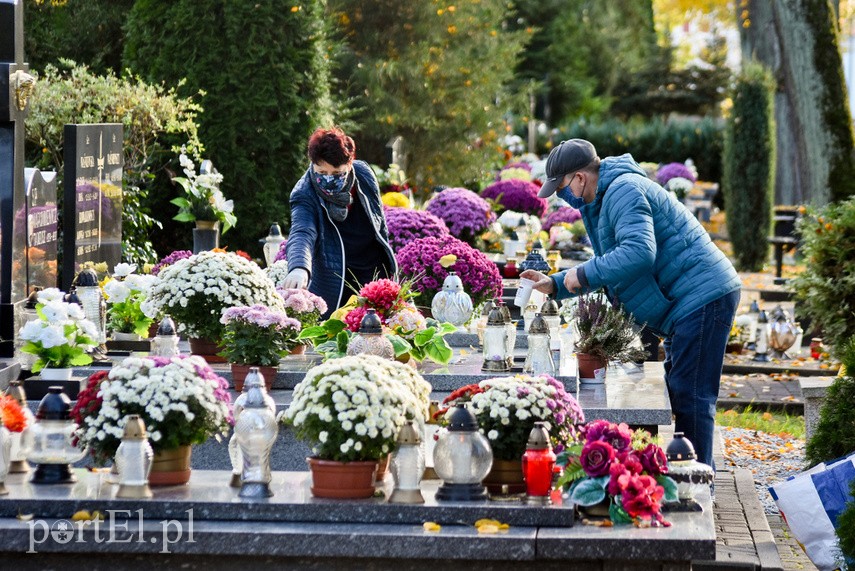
{"points": [[408, 466], [133, 460], [462, 459]]}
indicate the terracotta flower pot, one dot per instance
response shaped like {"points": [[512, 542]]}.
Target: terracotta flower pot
{"points": [[351, 480], [239, 373], [206, 349], [592, 370], [505, 473], [170, 467], [298, 350]]}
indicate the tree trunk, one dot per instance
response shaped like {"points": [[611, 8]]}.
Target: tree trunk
{"points": [[797, 39]]}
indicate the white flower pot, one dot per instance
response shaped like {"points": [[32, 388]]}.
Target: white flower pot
{"points": [[55, 374]]}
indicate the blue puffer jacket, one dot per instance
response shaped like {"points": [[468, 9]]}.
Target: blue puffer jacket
{"points": [[653, 256], [314, 243]]}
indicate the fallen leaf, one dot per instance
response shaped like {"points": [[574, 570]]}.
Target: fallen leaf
{"points": [[25, 517], [431, 526], [81, 515], [488, 529]]}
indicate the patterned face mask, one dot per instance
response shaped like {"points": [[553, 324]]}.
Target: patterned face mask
{"points": [[331, 183]]}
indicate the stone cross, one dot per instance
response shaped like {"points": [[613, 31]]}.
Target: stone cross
{"points": [[16, 85]]}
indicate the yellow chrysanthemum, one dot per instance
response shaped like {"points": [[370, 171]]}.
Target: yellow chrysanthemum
{"points": [[396, 199]]}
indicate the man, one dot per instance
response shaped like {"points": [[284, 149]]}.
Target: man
{"points": [[656, 260]]}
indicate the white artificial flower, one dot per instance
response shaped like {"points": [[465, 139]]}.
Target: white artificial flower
{"points": [[32, 330], [52, 336], [117, 291], [50, 294], [122, 270], [75, 312], [55, 311]]}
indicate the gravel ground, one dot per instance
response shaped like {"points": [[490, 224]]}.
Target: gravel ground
{"points": [[770, 457]]}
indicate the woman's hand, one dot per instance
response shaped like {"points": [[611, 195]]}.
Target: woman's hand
{"points": [[298, 278], [542, 282]]}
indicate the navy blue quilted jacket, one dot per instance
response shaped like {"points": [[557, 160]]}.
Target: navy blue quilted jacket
{"points": [[653, 256], [314, 243]]}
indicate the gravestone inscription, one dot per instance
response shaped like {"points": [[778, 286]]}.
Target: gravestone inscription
{"points": [[92, 199], [41, 228]]}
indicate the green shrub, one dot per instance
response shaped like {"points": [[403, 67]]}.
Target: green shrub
{"points": [[655, 140], [749, 166], [826, 288], [264, 69], [149, 114], [846, 527], [834, 435]]}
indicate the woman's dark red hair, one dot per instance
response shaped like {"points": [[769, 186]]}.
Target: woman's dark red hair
{"points": [[331, 146]]}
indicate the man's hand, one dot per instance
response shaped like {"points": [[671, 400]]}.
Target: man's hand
{"points": [[298, 278], [571, 281], [542, 282]]}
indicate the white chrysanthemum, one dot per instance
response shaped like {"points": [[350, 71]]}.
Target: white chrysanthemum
{"points": [[123, 270]]}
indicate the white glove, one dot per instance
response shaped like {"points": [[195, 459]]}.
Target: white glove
{"points": [[298, 278]]}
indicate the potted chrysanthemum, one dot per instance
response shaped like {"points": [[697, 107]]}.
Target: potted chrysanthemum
{"points": [[350, 410], [180, 399], [465, 213], [195, 291], [517, 195], [59, 338], [406, 225], [507, 408], [256, 336]]}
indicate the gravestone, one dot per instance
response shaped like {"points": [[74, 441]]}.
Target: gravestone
{"points": [[41, 228], [92, 205], [395, 152], [15, 87]]}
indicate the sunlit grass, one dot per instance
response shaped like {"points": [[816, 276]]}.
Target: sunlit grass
{"points": [[770, 422]]}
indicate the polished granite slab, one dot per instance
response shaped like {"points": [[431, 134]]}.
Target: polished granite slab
{"points": [[210, 497]]}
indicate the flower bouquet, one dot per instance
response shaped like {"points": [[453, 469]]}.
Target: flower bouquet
{"points": [[407, 225], [508, 407], [303, 305], [180, 399], [465, 213], [605, 332], [257, 335], [196, 290], [517, 195], [203, 198], [125, 295], [628, 470], [61, 336], [352, 408], [421, 260]]}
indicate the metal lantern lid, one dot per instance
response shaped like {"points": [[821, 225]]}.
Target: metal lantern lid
{"points": [[488, 306], [754, 307], [72, 297], [87, 278], [33, 298], [54, 405], [680, 449], [275, 231], [495, 317], [134, 428], [408, 435], [506, 311], [538, 326], [452, 282], [462, 420], [762, 318], [538, 438], [371, 323], [166, 327], [549, 307], [534, 261], [16, 391]]}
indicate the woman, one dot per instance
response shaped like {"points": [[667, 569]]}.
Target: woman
{"points": [[338, 240]]}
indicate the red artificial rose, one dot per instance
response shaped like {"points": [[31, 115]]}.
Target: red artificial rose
{"points": [[620, 477], [633, 462], [596, 458], [641, 497], [654, 461]]}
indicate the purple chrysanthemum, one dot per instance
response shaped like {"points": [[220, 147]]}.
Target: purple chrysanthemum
{"points": [[170, 259], [465, 213], [420, 259], [517, 195], [406, 225], [671, 170], [566, 214], [280, 255]]}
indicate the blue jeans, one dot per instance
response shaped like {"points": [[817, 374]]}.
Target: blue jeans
{"points": [[694, 355]]}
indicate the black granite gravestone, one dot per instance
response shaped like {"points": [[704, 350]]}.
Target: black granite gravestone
{"points": [[92, 205], [41, 228], [15, 87]]}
